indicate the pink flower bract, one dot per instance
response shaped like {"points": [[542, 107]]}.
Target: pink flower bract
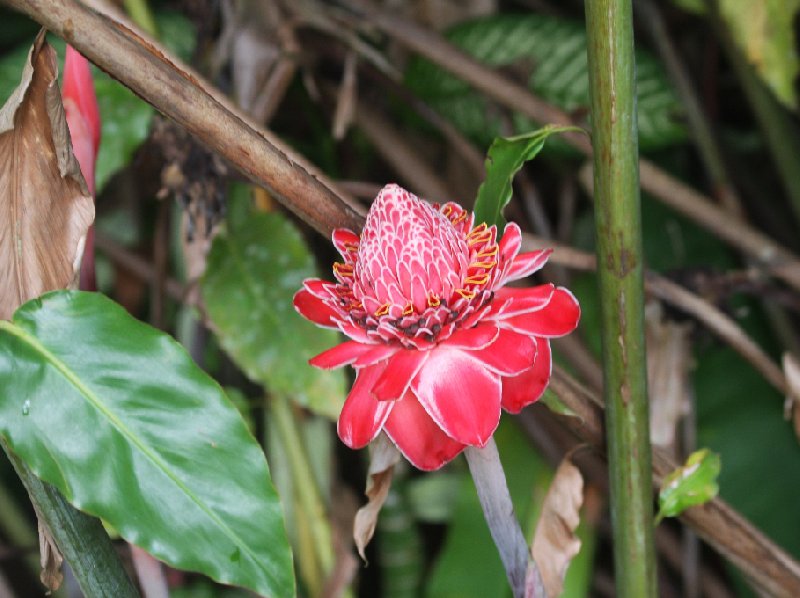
{"points": [[438, 343]]}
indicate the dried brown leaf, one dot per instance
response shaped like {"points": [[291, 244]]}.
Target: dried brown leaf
{"points": [[555, 543], [45, 207], [379, 479], [669, 359], [50, 559], [791, 369]]}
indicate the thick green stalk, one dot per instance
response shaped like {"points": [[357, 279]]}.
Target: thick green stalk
{"points": [[619, 259], [81, 538]]}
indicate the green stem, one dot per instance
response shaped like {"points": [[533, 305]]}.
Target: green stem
{"points": [[619, 258], [81, 538], [303, 482]]}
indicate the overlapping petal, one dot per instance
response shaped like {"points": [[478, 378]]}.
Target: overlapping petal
{"points": [[314, 309], [559, 317], [400, 370], [362, 416], [460, 395], [509, 355], [418, 437], [526, 388]]}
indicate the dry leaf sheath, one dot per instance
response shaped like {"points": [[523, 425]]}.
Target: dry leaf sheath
{"points": [[45, 206]]}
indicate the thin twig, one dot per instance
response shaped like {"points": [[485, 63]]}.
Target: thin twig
{"points": [[677, 296]]}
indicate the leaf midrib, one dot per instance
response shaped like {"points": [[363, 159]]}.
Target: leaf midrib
{"points": [[87, 393]]}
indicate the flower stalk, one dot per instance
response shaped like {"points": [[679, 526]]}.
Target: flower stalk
{"points": [[490, 482], [619, 258]]}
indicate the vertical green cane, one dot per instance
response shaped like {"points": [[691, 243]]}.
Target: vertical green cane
{"points": [[619, 256]]}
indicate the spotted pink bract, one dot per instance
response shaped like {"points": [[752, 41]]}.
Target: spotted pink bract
{"points": [[439, 344]]}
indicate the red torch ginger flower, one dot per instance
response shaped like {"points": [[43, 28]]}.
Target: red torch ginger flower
{"points": [[438, 343], [83, 120]]}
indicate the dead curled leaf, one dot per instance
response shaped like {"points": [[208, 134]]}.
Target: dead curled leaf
{"points": [[669, 361], [555, 543], [50, 559], [379, 479], [45, 206]]}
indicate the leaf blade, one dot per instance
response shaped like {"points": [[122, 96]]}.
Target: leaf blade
{"points": [[505, 158], [257, 265], [151, 472]]}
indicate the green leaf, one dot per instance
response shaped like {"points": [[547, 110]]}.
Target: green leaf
{"points": [[504, 160], [549, 55], [694, 483], [254, 269], [118, 417], [764, 31]]}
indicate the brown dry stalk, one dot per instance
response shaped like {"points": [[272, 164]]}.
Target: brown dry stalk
{"points": [[183, 96]]}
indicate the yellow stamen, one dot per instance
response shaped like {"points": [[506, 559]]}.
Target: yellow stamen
{"points": [[490, 252], [409, 309], [383, 310], [466, 294], [447, 210], [483, 237], [461, 217], [341, 269], [433, 300], [477, 279], [484, 265], [478, 230]]}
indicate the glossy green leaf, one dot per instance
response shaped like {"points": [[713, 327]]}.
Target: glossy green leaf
{"points": [[548, 54], [504, 160], [118, 417], [691, 484], [254, 269]]}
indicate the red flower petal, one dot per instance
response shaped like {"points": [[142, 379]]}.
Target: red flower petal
{"points": [[418, 437], [362, 416], [460, 395], [343, 354], [509, 355], [375, 354], [526, 264], [78, 86], [321, 289], [510, 301], [345, 240], [520, 391], [510, 243], [400, 370], [477, 337], [558, 318], [314, 309]]}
